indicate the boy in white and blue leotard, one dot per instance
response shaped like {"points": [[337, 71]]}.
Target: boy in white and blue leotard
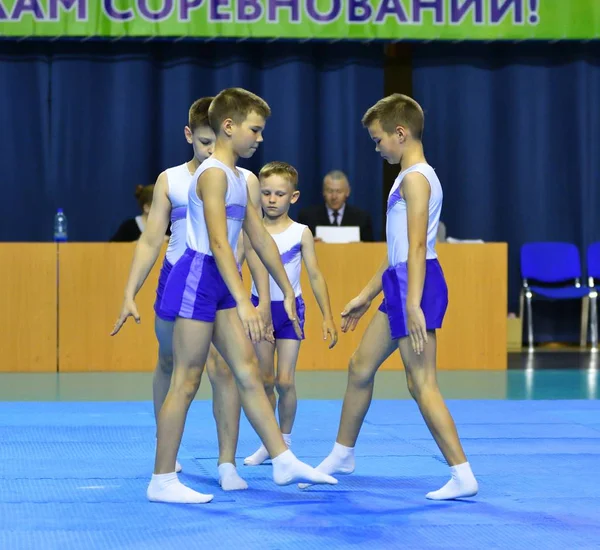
{"points": [[169, 205], [205, 292], [279, 190], [415, 298]]}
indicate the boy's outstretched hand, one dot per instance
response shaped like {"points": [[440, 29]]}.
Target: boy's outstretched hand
{"points": [[353, 311]]}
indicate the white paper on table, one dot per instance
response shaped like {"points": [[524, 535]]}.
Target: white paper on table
{"points": [[338, 233], [452, 240]]}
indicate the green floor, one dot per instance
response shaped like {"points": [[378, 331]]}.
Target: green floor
{"points": [[511, 384]]}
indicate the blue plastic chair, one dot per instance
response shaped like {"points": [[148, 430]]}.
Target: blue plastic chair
{"points": [[552, 271], [593, 262]]}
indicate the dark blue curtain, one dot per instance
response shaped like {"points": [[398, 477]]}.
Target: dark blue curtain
{"points": [[27, 194], [83, 123], [514, 134]]}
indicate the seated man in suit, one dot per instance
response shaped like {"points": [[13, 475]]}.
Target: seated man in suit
{"points": [[336, 211]]}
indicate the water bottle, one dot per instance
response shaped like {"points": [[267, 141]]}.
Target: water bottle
{"points": [[60, 226]]}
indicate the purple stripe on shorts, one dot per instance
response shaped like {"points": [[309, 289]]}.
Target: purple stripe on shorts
{"points": [[178, 213], [235, 211], [290, 254], [191, 286]]}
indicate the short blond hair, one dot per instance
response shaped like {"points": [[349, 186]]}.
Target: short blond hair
{"points": [[198, 113], [396, 110], [281, 169], [236, 104]]}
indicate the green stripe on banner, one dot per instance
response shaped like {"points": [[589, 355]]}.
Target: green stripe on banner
{"points": [[305, 19]]}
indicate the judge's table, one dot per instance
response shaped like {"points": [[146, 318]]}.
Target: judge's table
{"points": [[61, 301]]}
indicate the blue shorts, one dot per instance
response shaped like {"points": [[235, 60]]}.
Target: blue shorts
{"points": [[194, 289], [433, 303], [283, 328]]}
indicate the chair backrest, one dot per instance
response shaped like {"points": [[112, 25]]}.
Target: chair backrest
{"points": [[550, 262], [593, 260]]}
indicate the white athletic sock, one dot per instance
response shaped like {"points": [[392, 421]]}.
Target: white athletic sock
{"points": [[167, 488], [462, 484], [229, 479], [339, 461], [288, 469], [260, 456]]}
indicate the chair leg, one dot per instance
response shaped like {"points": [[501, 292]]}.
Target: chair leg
{"points": [[594, 322], [585, 313], [529, 323], [521, 304]]}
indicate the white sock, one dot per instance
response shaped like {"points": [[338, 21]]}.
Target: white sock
{"points": [[262, 455], [339, 461], [229, 479], [462, 484], [167, 488], [256, 459], [287, 469]]}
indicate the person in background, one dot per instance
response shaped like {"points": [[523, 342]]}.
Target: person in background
{"points": [[335, 210], [131, 229]]}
